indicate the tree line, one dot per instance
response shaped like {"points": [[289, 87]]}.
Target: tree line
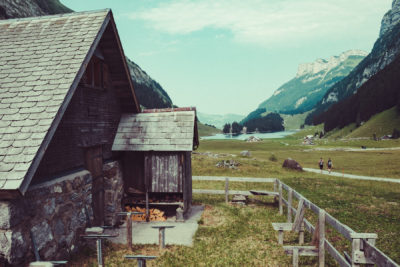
{"points": [[272, 122]]}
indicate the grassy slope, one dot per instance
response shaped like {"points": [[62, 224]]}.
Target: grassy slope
{"points": [[205, 130], [381, 124], [308, 130], [293, 122], [341, 133]]}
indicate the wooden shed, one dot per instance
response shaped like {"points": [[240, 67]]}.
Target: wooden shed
{"points": [[157, 147]]}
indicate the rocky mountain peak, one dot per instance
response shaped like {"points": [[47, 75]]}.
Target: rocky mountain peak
{"points": [[325, 65], [391, 18]]}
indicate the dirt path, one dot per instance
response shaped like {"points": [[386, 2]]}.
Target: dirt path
{"points": [[352, 149], [356, 177], [233, 179]]}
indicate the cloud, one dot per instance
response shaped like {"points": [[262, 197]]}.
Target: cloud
{"points": [[265, 22]]}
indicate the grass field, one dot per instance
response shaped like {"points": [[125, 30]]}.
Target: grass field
{"points": [[234, 235]]}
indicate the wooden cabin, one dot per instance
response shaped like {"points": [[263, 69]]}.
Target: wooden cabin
{"points": [[157, 147], [64, 85]]}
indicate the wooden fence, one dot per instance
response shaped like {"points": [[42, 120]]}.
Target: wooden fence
{"points": [[363, 250]]}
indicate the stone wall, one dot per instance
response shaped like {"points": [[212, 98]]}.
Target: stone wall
{"points": [[113, 192], [55, 214]]}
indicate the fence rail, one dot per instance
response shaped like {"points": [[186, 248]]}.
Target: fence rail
{"points": [[363, 244]]}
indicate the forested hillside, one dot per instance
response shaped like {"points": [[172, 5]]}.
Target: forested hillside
{"points": [[379, 93]]}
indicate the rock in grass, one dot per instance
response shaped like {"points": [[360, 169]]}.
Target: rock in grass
{"points": [[292, 164], [245, 153]]}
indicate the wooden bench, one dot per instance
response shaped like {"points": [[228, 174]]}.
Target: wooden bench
{"points": [[297, 225], [141, 259]]}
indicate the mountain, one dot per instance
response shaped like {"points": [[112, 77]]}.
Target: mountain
{"points": [[380, 92], [385, 50], [149, 93], [29, 8], [312, 80], [218, 120]]}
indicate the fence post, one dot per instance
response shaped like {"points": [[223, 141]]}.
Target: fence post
{"points": [[289, 207], [226, 190], [129, 230], [301, 233], [321, 245], [280, 199], [355, 247]]}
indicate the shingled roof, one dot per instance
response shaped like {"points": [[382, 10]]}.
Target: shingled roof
{"points": [[42, 61], [158, 130]]}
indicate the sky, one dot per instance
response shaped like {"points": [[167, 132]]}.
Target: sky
{"points": [[228, 56]]}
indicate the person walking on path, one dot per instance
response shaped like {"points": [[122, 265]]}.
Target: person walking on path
{"points": [[330, 165], [321, 164]]}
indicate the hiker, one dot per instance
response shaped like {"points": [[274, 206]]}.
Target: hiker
{"points": [[321, 164], [330, 165]]}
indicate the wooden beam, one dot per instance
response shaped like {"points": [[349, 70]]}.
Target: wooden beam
{"points": [[336, 255], [321, 243], [226, 190], [289, 205], [340, 227], [295, 260], [377, 256], [282, 226], [311, 251], [280, 199], [299, 216]]}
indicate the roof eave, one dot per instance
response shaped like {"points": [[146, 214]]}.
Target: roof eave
{"points": [[10, 194], [126, 68]]}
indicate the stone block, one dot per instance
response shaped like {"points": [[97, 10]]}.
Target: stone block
{"points": [[42, 234], [10, 214], [59, 227], [50, 207], [13, 247], [77, 183], [5, 215]]}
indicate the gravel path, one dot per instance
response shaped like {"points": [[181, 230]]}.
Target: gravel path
{"points": [[352, 176], [233, 179], [352, 149]]}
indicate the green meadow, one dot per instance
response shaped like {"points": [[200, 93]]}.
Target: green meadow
{"points": [[230, 235]]}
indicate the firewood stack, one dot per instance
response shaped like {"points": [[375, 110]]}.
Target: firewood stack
{"points": [[155, 215]]}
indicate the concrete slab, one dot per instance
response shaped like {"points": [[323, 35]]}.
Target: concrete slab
{"points": [[143, 233]]}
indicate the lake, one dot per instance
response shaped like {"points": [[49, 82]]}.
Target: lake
{"points": [[245, 136]]}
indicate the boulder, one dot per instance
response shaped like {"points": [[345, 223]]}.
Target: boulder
{"points": [[245, 153], [292, 164]]}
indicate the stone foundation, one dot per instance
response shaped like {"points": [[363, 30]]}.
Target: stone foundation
{"points": [[55, 214], [113, 192]]}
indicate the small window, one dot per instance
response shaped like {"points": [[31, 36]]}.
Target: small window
{"points": [[96, 74]]}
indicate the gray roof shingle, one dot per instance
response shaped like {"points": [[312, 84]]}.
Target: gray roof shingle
{"points": [[39, 60], [158, 131]]}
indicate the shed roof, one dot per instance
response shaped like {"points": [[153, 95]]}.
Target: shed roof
{"points": [[158, 130], [42, 61]]}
